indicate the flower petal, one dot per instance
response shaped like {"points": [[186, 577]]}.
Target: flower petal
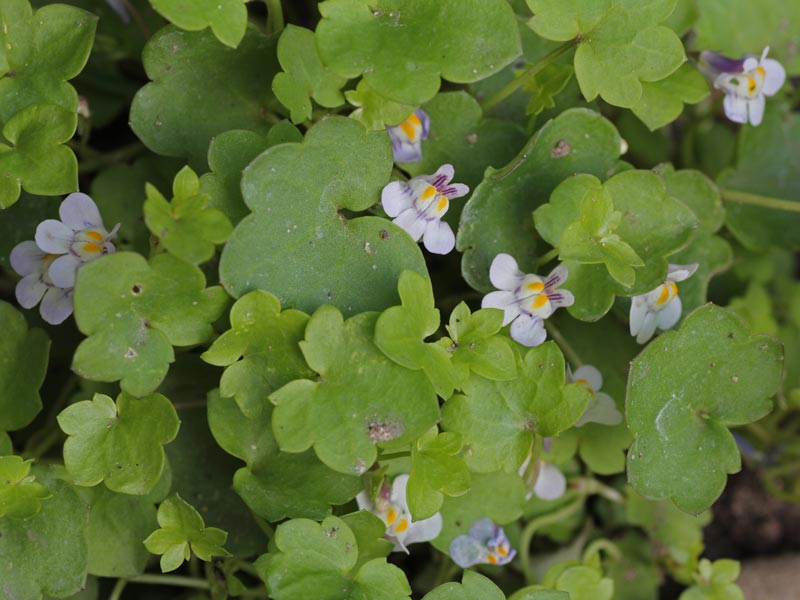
{"points": [[774, 78], [556, 278], [735, 108], [466, 551], [722, 64], [455, 190], [561, 299], [551, 483], [603, 410], [425, 120], [681, 272], [30, 290], [504, 272], [503, 300], [396, 197], [403, 151], [483, 530], [670, 314], [409, 221], [439, 238], [756, 109], [423, 531], [590, 375], [62, 270], [528, 330], [364, 502], [398, 496], [54, 237], [79, 212], [648, 327], [639, 310], [26, 257], [56, 305], [442, 177]]}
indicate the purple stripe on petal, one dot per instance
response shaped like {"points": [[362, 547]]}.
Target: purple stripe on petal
{"points": [[556, 278], [722, 64]]}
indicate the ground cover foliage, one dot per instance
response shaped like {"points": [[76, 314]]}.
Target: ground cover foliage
{"points": [[280, 286]]}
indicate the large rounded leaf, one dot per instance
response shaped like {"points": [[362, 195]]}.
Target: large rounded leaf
{"points": [[684, 391]]}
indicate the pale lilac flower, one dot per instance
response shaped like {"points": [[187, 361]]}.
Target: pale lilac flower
{"points": [[526, 299], [32, 263], [601, 408], [407, 137], [660, 307], [543, 479], [486, 543], [391, 506], [419, 204], [745, 82], [79, 237]]}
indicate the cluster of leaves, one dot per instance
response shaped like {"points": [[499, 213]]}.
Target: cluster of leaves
{"points": [[276, 346]]}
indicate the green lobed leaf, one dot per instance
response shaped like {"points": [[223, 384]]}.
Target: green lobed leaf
{"points": [[499, 496], [46, 553], [304, 76], [436, 471], [21, 495], [120, 444], [23, 364], [682, 449], [37, 161], [39, 53], [473, 586], [497, 218], [226, 18], [715, 581], [6, 447], [182, 533], [374, 111], [662, 101], [760, 169], [499, 419], [134, 312], [229, 154], [403, 47], [119, 192], [620, 43], [261, 351], [400, 333], [275, 484], [545, 86], [117, 525], [387, 405], [184, 106], [186, 226], [300, 242], [581, 581], [312, 558], [476, 347], [369, 531], [653, 224]]}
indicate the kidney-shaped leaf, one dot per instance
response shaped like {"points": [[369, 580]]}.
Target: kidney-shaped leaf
{"points": [[300, 242], [684, 391], [120, 443], [134, 312], [403, 47], [384, 403], [227, 18]]}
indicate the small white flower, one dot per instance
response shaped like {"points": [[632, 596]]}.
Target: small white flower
{"points": [[32, 263], [48, 265], [543, 479], [391, 506], [79, 237], [407, 137], [601, 408], [660, 307], [486, 543], [745, 82], [419, 204], [526, 300]]}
